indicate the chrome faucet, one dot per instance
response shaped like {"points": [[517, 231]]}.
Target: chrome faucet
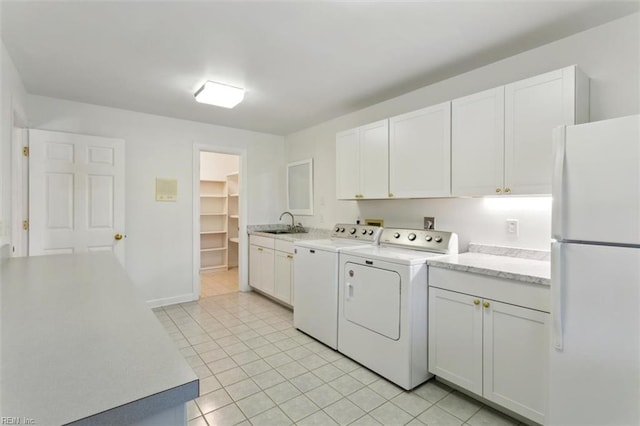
{"points": [[293, 221]]}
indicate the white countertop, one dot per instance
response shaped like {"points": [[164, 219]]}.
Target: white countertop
{"points": [[479, 261], [78, 341]]}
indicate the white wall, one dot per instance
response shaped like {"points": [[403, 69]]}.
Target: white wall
{"points": [[159, 251], [215, 166], [13, 96], [608, 54]]}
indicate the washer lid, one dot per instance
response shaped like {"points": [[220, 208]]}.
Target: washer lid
{"points": [[397, 255], [334, 245]]}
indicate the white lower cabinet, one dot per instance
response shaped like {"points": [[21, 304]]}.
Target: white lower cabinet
{"points": [[271, 267], [284, 272], [261, 264], [455, 338], [515, 358], [496, 350]]}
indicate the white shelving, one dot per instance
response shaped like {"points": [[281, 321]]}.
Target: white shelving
{"points": [[232, 219], [219, 223], [213, 225]]}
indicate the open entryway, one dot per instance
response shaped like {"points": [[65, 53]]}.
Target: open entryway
{"points": [[217, 201]]}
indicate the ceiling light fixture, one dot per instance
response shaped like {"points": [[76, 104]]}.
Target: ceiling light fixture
{"points": [[219, 94]]}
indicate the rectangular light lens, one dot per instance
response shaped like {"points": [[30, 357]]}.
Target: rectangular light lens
{"points": [[218, 94]]}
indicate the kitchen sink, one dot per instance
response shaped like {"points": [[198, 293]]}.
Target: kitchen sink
{"points": [[287, 231]]}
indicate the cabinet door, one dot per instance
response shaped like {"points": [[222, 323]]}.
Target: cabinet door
{"points": [[347, 164], [477, 143], [533, 108], [374, 160], [267, 263], [516, 350], [255, 274], [283, 275], [455, 338], [420, 153]]}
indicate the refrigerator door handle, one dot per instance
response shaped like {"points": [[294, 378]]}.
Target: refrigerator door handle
{"points": [[556, 296], [559, 147]]}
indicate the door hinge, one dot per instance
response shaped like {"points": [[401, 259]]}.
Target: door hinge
{"points": [[25, 151], [25, 225]]}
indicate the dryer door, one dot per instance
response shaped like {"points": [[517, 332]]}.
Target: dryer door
{"points": [[372, 299]]}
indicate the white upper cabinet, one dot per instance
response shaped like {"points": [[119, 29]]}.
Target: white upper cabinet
{"points": [[502, 138], [477, 143], [347, 164], [533, 108], [362, 162], [420, 153], [495, 142]]}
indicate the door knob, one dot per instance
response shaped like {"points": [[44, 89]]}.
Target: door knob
{"points": [[119, 236]]}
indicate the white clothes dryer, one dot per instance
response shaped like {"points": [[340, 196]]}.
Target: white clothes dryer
{"points": [[382, 318], [315, 279]]}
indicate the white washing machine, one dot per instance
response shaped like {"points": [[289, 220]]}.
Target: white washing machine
{"points": [[382, 319], [315, 279]]}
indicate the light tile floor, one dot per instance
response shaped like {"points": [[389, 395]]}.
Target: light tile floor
{"points": [[215, 283], [256, 369]]}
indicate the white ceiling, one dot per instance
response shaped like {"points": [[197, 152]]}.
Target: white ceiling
{"points": [[302, 62]]}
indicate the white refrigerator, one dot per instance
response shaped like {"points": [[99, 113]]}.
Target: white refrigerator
{"points": [[594, 368]]}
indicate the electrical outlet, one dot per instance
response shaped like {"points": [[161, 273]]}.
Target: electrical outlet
{"points": [[429, 222], [512, 227]]}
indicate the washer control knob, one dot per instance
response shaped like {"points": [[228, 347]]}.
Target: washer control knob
{"points": [[341, 229], [352, 231], [438, 239], [412, 236], [370, 232], [337, 229], [364, 232], [428, 238], [396, 235]]}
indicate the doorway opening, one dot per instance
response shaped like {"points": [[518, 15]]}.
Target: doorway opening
{"points": [[219, 220]]}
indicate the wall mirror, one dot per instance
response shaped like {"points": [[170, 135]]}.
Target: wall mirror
{"points": [[300, 187]]}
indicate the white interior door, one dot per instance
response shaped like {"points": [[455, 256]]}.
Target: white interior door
{"points": [[76, 193]]}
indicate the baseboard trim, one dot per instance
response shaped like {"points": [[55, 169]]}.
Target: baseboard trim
{"points": [[166, 301]]}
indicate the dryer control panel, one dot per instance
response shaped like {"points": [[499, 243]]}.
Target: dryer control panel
{"points": [[353, 231], [421, 239]]}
